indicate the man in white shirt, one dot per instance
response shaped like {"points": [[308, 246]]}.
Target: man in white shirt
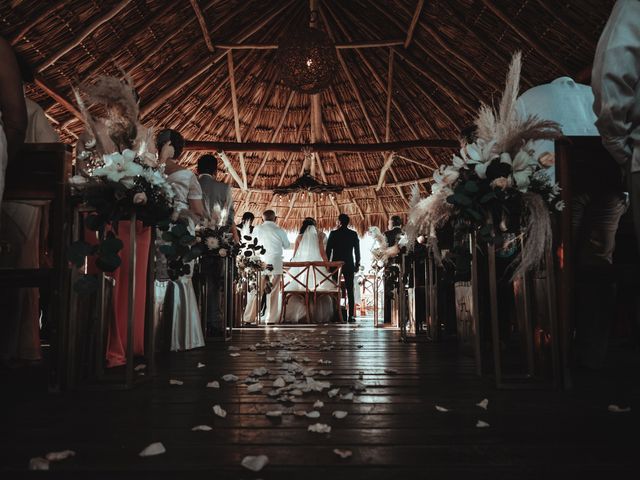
{"points": [[275, 241]]}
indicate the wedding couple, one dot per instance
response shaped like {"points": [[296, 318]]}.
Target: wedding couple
{"points": [[311, 246]]}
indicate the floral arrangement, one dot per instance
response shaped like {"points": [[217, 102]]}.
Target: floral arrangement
{"points": [[379, 255], [249, 262], [212, 237], [496, 187], [117, 173]]}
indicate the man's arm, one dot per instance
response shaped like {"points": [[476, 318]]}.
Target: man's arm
{"points": [[285, 240], [356, 248], [616, 72], [329, 248], [12, 105]]}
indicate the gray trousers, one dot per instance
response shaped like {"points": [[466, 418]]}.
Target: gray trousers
{"points": [[595, 219]]}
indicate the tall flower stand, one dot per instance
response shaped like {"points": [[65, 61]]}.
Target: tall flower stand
{"points": [[378, 297], [91, 372], [226, 297], [536, 315]]}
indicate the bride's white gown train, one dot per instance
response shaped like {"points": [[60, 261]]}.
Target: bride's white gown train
{"points": [[321, 311]]}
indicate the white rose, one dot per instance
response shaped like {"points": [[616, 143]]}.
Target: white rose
{"points": [[212, 243], [501, 182], [223, 252]]}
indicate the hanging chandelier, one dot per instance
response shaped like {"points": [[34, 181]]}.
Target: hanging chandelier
{"points": [[306, 59], [307, 183]]}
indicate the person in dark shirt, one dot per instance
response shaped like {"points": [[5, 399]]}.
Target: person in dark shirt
{"points": [[342, 246]]}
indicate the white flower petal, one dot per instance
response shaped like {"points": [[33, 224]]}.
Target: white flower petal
{"points": [[153, 449], [38, 463], [255, 463], [318, 404], [441, 409], [200, 365], [57, 456], [219, 411], [340, 414], [342, 453], [201, 428], [313, 414], [256, 387], [482, 424], [618, 409], [483, 404], [319, 428], [173, 381]]}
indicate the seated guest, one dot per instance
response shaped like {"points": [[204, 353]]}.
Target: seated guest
{"points": [[217, 203], [176, 303], [393, 236]]}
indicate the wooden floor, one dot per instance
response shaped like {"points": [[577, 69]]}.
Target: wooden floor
{"points": [[393, 428]]}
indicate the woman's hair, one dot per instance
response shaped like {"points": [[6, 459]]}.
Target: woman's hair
{"points": [[308, 222], [173, 137]]}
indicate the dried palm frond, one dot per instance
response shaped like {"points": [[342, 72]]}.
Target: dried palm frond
{"points": [[531, 128], [507, 114], [537, 235], [115, 93]]}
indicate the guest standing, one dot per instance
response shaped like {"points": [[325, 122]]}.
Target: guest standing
{"points": [[393, 236], [217, 203], [176, 301], [274, 240], [13, 112], [342, 246], [616, 87], [25, 223]]}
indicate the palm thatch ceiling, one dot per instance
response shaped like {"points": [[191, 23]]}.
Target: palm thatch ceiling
{"points": [[206, 68]]}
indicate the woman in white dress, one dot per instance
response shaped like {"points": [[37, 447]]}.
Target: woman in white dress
{"points": [[175, 301], [309, 247]]}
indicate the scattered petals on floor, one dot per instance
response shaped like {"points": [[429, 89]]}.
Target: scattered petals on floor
{"points": [[319, 428], [482, 424], [441, 409], [219, 411], [202, 428], [484, 404]]}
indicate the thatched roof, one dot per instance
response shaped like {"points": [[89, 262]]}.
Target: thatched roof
{"points": [[446, 57]]}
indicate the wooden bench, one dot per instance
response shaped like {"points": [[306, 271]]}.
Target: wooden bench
{"points": [[41, 172]]}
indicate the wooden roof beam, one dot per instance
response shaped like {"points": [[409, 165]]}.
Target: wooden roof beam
{"points": [[49, 12], [92, 27], [339, 46], [236, 114], [528, 39], [414, 22], [196, 145], [199, 69], [393, 185], [203, 25]]}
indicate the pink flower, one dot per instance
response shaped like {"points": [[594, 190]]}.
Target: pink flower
{"points": [[547, 159], [140, 198], [501, 182]]}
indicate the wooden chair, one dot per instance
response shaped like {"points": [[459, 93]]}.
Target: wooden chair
{"points": [[295, 283], [41, 173], [326, 281]]}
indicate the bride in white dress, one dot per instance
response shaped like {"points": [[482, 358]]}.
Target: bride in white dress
{"points": [[309, 247]]}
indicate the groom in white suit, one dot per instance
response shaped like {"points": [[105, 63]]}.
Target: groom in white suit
{"points": [[274, 240]]}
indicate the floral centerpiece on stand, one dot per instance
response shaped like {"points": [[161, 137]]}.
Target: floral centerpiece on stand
{"points": [[496, 187], [250, 264], [116, 173], [212, 237]]}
